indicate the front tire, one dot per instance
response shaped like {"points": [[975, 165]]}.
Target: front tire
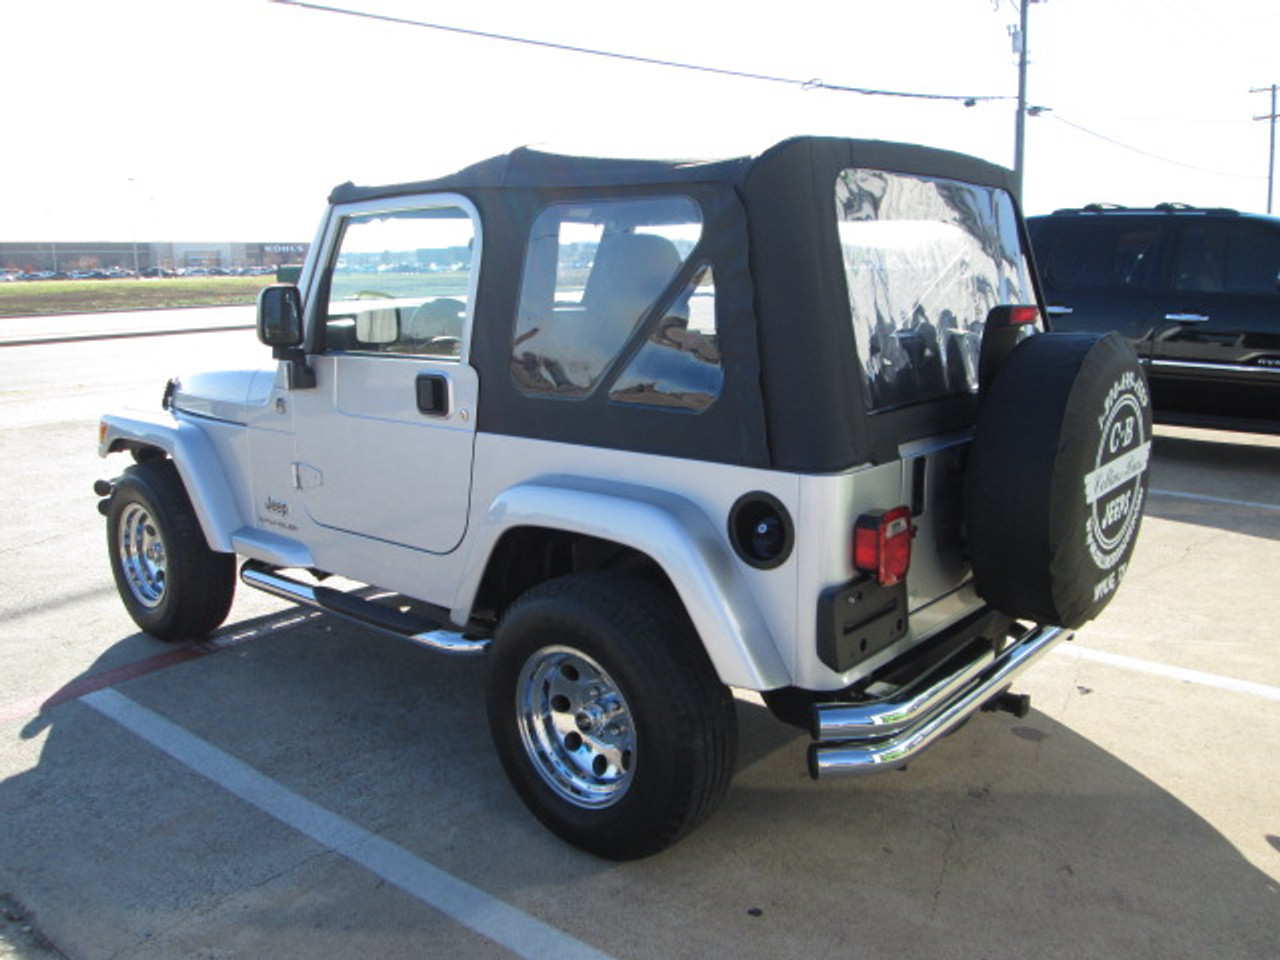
{"points": [[608, 718], [174, 587]]}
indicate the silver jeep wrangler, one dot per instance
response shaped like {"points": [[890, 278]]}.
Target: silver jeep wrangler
{"points": [[642, 432]]}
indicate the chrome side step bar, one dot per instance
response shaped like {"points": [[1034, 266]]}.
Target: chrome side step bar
{"points": [[358, 610], [861, 738]]}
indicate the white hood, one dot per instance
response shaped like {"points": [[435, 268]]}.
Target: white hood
{"points": [[231, 395]]}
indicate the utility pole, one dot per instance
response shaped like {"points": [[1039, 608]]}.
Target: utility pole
{"points": [[1020, 124], [1271, 166]]}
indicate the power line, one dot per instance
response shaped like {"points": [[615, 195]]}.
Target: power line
{"points": [[1154, 156], [810, 84]]}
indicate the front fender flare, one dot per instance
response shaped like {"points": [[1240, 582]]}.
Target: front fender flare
{"points": [[197, 462], [676, 535]]}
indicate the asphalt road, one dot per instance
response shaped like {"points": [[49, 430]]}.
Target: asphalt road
{"points": [[298, 788]]}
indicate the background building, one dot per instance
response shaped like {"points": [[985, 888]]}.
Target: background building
{"points": [[175, 257]]}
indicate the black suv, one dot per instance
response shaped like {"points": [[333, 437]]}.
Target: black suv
{"points": [[1196, 290]]}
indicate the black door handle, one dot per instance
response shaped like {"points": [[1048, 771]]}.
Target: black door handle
{"points": [[433, 394]]}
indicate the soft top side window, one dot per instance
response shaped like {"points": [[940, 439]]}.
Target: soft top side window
{"points": [[400, 282], [593, 272], [678, 367]]}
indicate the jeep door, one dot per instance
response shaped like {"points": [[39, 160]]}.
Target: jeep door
{"points": [[384, 442], [1218, 350]]}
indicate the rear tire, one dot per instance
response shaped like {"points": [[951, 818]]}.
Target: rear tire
{"points": [[174, 587], [607, 715]]}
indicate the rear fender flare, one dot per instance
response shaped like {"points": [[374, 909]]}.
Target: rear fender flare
{"points": [[677, 536]]}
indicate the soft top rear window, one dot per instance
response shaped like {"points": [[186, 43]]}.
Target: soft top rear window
{"points": [[925, 260]]}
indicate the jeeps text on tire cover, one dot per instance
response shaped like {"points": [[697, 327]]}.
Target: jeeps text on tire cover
{"points": [[642, 432]]}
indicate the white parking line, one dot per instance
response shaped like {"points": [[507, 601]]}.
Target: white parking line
{"points": [[1225, 501], [1173, 673], [470, 906]]}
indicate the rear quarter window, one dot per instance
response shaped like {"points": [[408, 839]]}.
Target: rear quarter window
{"points": [[602, 301], [925, 259]]}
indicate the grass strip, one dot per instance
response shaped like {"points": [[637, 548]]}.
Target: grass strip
{"points": [[32, 298]]}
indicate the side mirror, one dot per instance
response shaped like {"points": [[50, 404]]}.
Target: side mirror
{"points": [[280, 318], [280, 328]]}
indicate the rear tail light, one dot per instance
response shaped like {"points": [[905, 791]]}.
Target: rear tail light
{"points": [[1021, 316], [882, 544]]}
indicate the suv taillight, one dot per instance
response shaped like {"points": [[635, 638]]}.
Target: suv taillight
{"points": [[882, 544]]}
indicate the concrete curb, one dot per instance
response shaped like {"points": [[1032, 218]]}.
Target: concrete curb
{"points": [[115, 335]]}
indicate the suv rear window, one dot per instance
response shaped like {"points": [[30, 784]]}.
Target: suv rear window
{"points": [[925, 260]]}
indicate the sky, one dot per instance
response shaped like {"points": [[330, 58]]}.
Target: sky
{"points": [[147, 120]]}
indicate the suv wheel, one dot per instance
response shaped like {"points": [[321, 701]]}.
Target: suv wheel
{"points": [[607, 715], [172, 584]]}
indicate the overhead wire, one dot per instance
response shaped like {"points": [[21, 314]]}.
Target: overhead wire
{"points": [[1146, 153], [807, 84]]}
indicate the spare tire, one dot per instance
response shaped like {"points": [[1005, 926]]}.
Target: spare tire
{"points": [[1057, 476]]}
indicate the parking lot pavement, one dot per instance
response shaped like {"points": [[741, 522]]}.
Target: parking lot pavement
{"points": [[19, 940], [303, 789], [1079, 831]]}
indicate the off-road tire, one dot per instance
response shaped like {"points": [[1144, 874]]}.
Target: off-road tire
{"points": [[174, 587], [607, 715]]}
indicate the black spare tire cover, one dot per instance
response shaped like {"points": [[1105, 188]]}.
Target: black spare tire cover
{"points": [[1057, 476]]}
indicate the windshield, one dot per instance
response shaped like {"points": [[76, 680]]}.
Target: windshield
{"points": [[925, 260]]}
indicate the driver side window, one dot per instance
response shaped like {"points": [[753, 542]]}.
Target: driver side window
{"points": [[400, 283]]}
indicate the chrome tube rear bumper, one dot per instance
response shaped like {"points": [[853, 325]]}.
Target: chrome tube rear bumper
{"points": [[885, 734]]}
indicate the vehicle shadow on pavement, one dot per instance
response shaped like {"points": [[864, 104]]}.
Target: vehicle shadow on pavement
{"points": [[140, 654], [1226, 482], [1239, 454], [1012, 838]]}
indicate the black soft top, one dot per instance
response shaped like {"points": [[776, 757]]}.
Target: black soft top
{"points": [[794, 394], [527, 168]]}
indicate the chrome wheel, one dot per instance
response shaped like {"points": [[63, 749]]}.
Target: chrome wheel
{"points": [[576, 727], [173, 585], [142, 555], [587, 670]]}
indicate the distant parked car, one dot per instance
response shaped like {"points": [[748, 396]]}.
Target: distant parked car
{"points": [[1197, 291]]}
